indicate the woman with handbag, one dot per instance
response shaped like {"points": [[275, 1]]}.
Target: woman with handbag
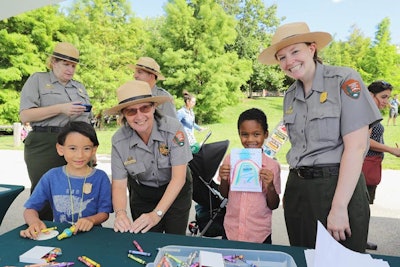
{"points": [[372, 167]]}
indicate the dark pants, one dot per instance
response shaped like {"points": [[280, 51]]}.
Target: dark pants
{"points": [[144, 199], [40, 156], [309, 200]]}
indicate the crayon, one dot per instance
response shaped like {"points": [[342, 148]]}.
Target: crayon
{"points": [[91, 261], [134, 252], [85, 262], [137, 246], [139, 260]]}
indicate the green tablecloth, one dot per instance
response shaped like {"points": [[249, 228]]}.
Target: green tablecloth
{"points": [[7, 197], [110, 249]]}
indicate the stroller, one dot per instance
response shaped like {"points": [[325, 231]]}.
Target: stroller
{"points": [[210, 207]]}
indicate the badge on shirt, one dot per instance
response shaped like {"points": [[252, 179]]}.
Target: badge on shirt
{"points": [[323, 97], [179, 138], [352, 88], [163, 148], [129, 161], [289, 110], [87, 188], [49, 86]]}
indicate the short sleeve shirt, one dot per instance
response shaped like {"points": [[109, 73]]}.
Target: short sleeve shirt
{"points": [[168, 108], [338, 104], [150, 164], [248, 217], [67, 205], [42, 89]]}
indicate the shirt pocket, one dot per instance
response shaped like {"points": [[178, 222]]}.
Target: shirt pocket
{"points": [[164, 162], [136, 170], [324, 122], [288, 120], [49, 97]]}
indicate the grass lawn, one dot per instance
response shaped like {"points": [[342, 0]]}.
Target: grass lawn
{"points": [[227, 129]]}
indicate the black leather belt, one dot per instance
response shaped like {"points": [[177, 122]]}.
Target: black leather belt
{"points": [[47, 129], [314, 172]]}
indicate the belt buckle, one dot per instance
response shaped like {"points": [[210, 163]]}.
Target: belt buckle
{"points": [[298, 170]]}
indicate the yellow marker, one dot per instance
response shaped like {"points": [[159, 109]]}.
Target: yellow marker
{"points": [[91, 261], [139, 260]]}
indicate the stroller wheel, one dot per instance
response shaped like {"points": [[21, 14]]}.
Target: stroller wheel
{"points": [[193, 227]]}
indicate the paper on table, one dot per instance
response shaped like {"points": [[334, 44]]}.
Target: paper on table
{"points": [[210, 259], [35, 254], [330, 253]]}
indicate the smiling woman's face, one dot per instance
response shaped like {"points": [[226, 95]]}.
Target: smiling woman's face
{"points": [[381, 99]]}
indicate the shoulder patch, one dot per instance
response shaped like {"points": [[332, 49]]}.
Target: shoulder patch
{"points": [[179, 138], [352, 88]]}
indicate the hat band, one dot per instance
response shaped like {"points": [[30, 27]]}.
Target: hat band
{"points": [[66, 57], [134, 98], [146, 67]]}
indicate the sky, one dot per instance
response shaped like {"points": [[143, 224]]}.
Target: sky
{"points": [[334, 16]]}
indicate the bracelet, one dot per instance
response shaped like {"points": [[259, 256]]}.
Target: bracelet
{"points": [[118, 211]]}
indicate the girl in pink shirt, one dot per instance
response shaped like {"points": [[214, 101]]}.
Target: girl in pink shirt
{"points": [[249, 214]]}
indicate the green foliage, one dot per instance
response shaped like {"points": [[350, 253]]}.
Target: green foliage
{"points": [[9, 106]]}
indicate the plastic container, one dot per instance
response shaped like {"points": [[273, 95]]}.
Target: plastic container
{"points": [[260, 258]]}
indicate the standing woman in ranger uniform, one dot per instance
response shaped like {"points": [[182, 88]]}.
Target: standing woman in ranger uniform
{"points": [[149, 155], [327, 112], [49, 100]]}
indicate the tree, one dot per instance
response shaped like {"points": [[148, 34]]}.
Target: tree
{"points": [[194, 59]]}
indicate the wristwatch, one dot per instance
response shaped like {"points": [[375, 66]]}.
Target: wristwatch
{"points": [[159, 213]]}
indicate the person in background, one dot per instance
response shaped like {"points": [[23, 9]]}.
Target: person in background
{"points": [[150, 153], [372, 166], [78, 194], [393, 110], [147, 69], [327, 112], [49, 100], [187, 117], [249, 214]]}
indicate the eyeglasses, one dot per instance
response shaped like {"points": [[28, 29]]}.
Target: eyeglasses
{"points": [[133, 111]]}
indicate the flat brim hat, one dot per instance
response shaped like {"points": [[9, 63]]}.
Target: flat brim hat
{"points": [[135, 92], [289, 34], [66, 51], [150, 65]]}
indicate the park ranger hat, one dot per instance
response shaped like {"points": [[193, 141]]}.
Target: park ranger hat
{"points": [[135, 92], [150, 65], [66, 51], [289, 34]]}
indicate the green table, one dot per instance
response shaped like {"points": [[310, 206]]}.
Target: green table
{"points": [[110, 249], [8, 193]]}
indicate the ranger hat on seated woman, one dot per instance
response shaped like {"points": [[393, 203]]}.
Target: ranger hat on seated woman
{"points": [[289, 34], [135, 92]]}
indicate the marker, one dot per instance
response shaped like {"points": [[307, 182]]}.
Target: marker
{"points": [[91, 261], [137, 246], [139, 260], [134, 252]]}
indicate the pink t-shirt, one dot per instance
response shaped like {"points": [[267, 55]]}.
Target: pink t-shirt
{"points": [[248, 217]]}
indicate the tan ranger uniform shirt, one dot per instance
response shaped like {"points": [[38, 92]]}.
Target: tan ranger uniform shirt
{"points": [[42, 89], [338, 104], [150, 164]]}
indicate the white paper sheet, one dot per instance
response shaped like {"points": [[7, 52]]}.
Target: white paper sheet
{"points": [[330, 253]]}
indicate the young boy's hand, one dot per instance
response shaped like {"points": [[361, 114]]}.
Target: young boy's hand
{"points": [[33, 230], [267, 177], [83, 225], [224, 171]]}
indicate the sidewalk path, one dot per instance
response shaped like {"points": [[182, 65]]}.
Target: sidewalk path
{"points": [[385, 213]]}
